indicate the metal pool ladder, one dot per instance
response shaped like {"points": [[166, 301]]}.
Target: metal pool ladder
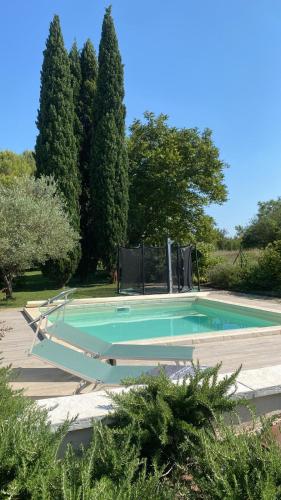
{"points": [[60, 295], [44, 315]]}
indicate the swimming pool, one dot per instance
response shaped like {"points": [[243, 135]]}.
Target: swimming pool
{"points": [[149, 319]]}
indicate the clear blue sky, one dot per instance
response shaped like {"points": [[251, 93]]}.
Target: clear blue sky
{"points": [[206, 63]]}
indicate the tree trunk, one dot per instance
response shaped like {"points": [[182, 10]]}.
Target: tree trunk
{"points": [[8, 286], [113, 276]]}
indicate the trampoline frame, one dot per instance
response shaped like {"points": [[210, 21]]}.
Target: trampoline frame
{"points": [[170, 284]]}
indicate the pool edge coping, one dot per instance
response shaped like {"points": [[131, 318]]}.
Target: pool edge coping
{"points": [[100, 403], [31, 310]]}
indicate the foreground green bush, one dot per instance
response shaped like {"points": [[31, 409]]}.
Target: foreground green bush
{"points": [[111, 468], [163, 417], [30, 468], [238, 466], [164, 442], [28, 448]]}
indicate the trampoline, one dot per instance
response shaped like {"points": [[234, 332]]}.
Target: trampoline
{"points": [[152, 270]]}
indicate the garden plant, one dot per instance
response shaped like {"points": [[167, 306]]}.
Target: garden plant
{"points": [[162, 441]]}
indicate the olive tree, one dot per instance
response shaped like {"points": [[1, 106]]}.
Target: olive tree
{"points": [[34, 227]]}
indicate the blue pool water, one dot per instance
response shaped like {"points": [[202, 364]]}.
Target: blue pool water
{"points": [[117, 322]]}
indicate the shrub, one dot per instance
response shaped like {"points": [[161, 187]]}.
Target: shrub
{"points": [[226, 276], [223, 275], [158, 425], [234, 277], [61, 271], [206, 259], [267, 275], [262, 273], [110, 469], [29, 467], [238, 466], [163, 416], [28, 448]]}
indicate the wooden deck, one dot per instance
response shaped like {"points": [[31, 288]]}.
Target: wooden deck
{"points": [[40, 380]]}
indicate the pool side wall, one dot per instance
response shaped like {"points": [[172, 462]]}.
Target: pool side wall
{"points": [[32, 311], [263, 400]]}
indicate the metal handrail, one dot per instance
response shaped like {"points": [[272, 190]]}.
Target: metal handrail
{"points": [[64, 293], [45, 314], [40, 318]]}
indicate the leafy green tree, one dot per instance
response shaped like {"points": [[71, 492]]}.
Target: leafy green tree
{"points": [[225, 242], [265, 227], [34, 227], [56, 146], [109, 165], [89, 73], [174, 173], [14, 165], [29, 157]]}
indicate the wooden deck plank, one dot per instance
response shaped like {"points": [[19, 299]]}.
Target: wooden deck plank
{"points": [[39, 379]]}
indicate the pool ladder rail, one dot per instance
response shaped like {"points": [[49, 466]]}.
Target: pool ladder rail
{"points": [[64, 294], [44, 315]]}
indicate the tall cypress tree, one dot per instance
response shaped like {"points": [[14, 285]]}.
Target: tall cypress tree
{"points": [[109, 163], [89, 73], [76, 79], [56, 148]]}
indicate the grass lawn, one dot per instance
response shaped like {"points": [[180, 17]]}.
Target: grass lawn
{"points": [[229, 256], [34, 286]]}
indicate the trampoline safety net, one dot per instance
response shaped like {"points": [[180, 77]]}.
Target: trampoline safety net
{"points": [[146, 270], [155, 270], [130, 270]]}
